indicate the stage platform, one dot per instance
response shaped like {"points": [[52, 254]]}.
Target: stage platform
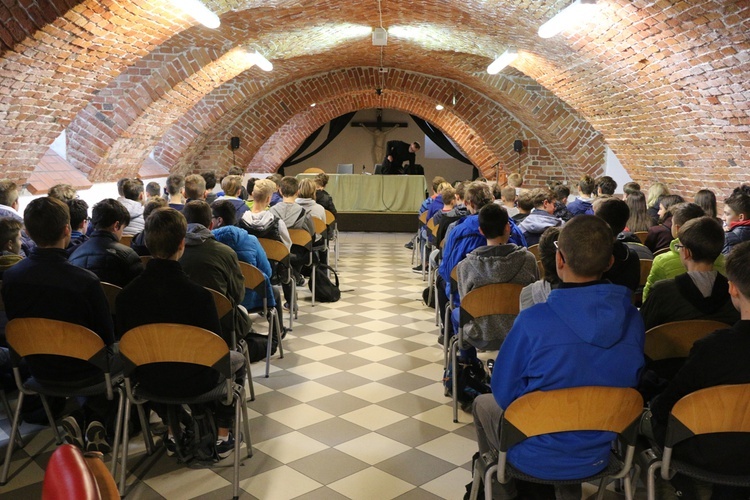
{"points": [[378, 222]]}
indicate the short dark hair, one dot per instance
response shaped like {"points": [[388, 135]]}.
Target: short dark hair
{"points": [[606, 185], [704, 237], [586, 184], [737, 267], [45, 220], [8, 192], [492, 220], [547, 251], [235, 170], [62, 192], [683, 212], [540, 195], [132, 189], [107, 212], [461, 189], [615, 212], [586, 243], [9, 229], [165, 229], [153, 204], [436, 181], [275, 178], [79, 212], [232, 185], [288, 186], [738, 201], [478, 194], [153, 189], [210, 178], [321, 179], [175, 183], [195, 187], [525, 200], [561, 191], [226, 210], [197, 212], [631, 187]]}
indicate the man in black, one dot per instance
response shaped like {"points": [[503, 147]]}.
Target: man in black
{"points": [[396, 153]]}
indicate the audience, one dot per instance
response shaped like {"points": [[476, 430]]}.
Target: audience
{"points": [[639, 219], [45, 285], [79, 222], [195, 188], [458, 212], [541, 217], [586, 333], [539, 290], [263, 223], [629, 188], [508, 200], [63, 192], [737, 218], [294, 216], [132, 200], [655, 193], [9, 208], [626, 268], [525, 204], [660, 235], [176, 191], [515, 180], [306, 199], [153, 190], [210, 179], [699, 293], [276, 196], [102, 253], [562, 193], [605, 185], [232, 187], [582, 205], [706, 199]]}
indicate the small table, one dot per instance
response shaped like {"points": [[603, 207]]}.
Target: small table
{"points": [[375, 193]]}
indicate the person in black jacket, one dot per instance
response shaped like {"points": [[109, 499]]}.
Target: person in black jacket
{"points": [[322, 197], [626, 269], [397, 152], [103, 254]]}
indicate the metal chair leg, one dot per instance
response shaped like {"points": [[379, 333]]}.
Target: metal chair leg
{"points": [[9, 412], [118, 430], [125, 439], [454, 378], [11, 442]]}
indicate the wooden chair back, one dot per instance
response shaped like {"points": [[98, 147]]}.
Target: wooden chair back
{"points": [[145, 259], [222, 303], [254, 279], [314, 170], [31, 336], [641, 235], [320, 226], [171, 342], [111, 292], [724, 408], [661, 251], [126, 239], [646, 265], [432, 227], [498, 298], [330, 218], [588, 408], [301, 237], [534, 249], [423, 218], [675, 339], [275, 250]]}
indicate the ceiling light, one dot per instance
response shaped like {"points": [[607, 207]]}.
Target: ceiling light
{"points": [[505, 59], [439, 107], [198, 11], [313, 105], [379, 37], [566, 18], [259, 60]]}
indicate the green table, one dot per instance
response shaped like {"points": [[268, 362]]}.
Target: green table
{"points": [[375, 193]]}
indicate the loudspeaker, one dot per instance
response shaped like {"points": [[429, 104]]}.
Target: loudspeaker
{"points": [[235, 143], [518, 145]]}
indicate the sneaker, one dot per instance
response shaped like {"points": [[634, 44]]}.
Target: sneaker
{"points": [[300, 281], [225, 448], [96, 438], [170, 445], [409, 245], [72, 431], [417, 269]]}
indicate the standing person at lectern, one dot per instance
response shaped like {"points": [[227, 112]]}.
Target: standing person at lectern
{"points": [[397, 152]]}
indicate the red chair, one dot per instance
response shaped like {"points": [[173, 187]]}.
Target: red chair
{"points": [[72, 476]]}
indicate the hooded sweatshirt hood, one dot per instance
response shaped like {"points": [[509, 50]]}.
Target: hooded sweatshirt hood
{"points": [[599, 307], [259, 221], [537, 221], [197, 234], [503, 262]]}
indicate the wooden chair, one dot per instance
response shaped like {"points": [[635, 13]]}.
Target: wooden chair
{"points": [[321, 229], [160, 343], [302, 239], [127, 239], [534, 249], [71, 474], [646, 265], [111, 292], [422, 222], [333, 236], [641, 235], [675, 339], [724, 408], [661, 251], [607, 409], [488, 300], [256, 282], [39, 336], [449, 306], [314, 170], [279, 257]]}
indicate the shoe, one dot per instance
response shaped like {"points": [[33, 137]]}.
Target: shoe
{"points": [[441, 339], [409, 245], [300, 280], [170, 445], [225, 448], [96, 438], [417, 269], [286, 307], [73, 433]]}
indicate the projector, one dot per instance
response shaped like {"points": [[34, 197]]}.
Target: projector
{"points": [[379, 37]]}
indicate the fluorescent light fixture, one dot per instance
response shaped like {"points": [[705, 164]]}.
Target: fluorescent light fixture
{"points": [[260, 61], [567, 18], [505, 59], [198, 11], [313, 105], [439, 107]]}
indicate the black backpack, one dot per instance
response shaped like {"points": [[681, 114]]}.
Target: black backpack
{"points": [[197, 442], [325, 290]]}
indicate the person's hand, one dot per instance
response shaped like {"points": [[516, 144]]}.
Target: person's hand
{"points": [[390, 158]]}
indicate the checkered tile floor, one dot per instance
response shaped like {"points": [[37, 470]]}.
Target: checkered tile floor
{"points": [[354, 410]]}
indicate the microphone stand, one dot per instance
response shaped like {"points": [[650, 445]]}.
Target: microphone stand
{"points": [[496, 166]]}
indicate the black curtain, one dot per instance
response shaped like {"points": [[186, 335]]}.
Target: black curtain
{"points": [[337, 125], [440, 139]]}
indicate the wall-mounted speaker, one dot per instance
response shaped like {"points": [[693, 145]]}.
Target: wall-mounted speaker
{"points": [[235, 143], [518, 145]]}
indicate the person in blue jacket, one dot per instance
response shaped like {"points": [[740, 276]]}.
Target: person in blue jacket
{"points": [[587, 333]]}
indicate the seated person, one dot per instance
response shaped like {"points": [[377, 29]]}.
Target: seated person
{"points": [[175, 188], [232, 186], [152, 190], [668, 265], [9, 208], [45, 285], [539, 290], [10, 243], [213, 265], [626, 269], [562, 192], [583, 204], [138, 243], [586, 333], [701, 292], [261, 222], [448, 193], [718, 359], [132, 200], [508, 200], [306, 199], [605, 186], [660, 235], [195, 188], [525, 205], [209, 179], [293, 214], [541, 217], [322, 197], [165, 294], [103, 254], [496, 262], [276, 196], [737, 218], [458, 212], [79, 222]]}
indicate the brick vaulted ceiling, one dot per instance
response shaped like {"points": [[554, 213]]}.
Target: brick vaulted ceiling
{"points": [[662, 83]]}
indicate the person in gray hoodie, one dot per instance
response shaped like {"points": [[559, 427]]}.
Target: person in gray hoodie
{"points": [[132, 200], [541, 217], [497, 262], [293, 214]]}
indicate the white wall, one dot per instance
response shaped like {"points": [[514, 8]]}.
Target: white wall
{"points": [[614, 169]]}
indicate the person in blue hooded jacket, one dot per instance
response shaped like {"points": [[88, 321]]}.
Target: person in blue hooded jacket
{"points": [[586, 333]]}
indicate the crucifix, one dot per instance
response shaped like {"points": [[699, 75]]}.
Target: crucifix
{"points": [[378, 135]]}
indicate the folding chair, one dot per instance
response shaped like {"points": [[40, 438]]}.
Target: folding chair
{"points": [[322, 230], [449, 306], [333, 235], [278, 255], [39, 336], [641, 235], [607, 409], [724, 408], [162, 345], [111, 292], [488, 300], [255, 281], [302, 239], [126, 239]]}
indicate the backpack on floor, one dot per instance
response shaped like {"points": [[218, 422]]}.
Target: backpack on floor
{"points": [[197, 442], [472, 381], [325, 289]]}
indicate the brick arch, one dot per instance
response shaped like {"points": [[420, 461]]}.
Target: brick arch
{"points": [[256, 119]]}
